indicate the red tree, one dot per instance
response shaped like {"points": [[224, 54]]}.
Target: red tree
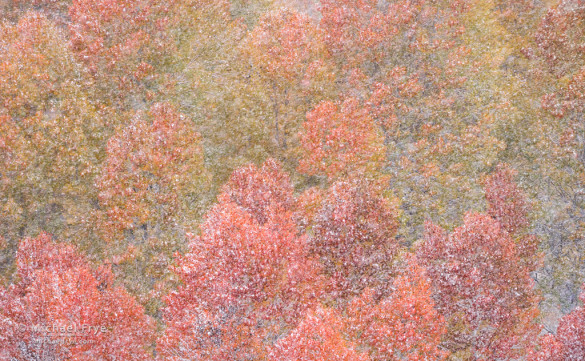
{"points": [[123, 43], [56, 289], [508, 205], [506, 202], [353, 235], [569, 342], [483, 289], [261, 191], [244, 281], [338, 139], [151, 169], [287, 53], [285, 44], [403, 326], [559, 40], [149, 192], [374, 40], [319, 337], [359, 30]]}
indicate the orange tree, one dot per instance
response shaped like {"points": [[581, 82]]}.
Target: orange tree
{"points": [[148, 189]]}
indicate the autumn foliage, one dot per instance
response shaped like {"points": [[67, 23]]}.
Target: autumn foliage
{"points": [[403, 326], [117, 41], [350, 180], [286, 44], [353, 235], [261, 192], [58, 288], [338, 139], [569, 341], [320, 336], [245, 278], [488, 300], [152, 165], [506, 202]]}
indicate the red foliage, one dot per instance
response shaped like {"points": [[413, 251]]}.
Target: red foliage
{"points": [[119, 40], [319, 337], [353, 235], [243, 280], [285, 44], [405, 58], [57, 288], [363, 32], [38, 74], [287, 56], [260, 192], [403, 326], [508, 205], [150, 165], [569, 342], [559, 38], [386, 102], [338, 139], [354, 29], [482, 288], [506, 202]]}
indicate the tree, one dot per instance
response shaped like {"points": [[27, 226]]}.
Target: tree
{"points": [[149, 186], [353, 236], [318, 337], [338, 139], [250, 11], [569, 341], [220, 88], [508, 205], [261, 192], [483, 289], [52, 136], [506, 202], [124, 45], [287, 53], [153, 166], [244, 281], [403, 326], [47, 314]]}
